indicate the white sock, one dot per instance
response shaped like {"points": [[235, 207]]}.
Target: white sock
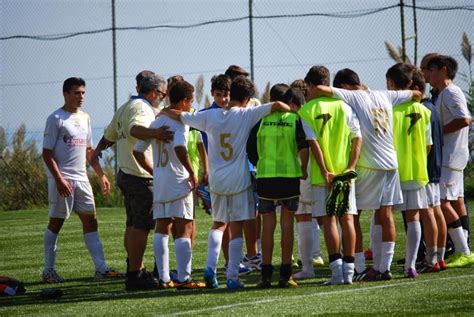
{"points": [[162, 256], [305, 247], [466, 234], [316, 238], [459, 240], [259, 246], [214, 242], [431, 255], [359, 262], [50, 247], [235, 257], [94, 246], [412, 243], [387, 251], [182, 248], [376, 246], [371, 231], [441, 252]]}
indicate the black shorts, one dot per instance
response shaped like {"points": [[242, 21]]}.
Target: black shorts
{"points": [[138, 200], [278, 187], [267, 205]]}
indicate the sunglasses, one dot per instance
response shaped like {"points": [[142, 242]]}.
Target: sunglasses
{"points": [[163, 94]]}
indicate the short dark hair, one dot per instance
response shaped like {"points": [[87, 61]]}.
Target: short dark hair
{"points": [[418, 81], [180, 90], [71, 82], [235, 70], [441, 61], [346, 76], [278, 91], [143, 74], [220, 82], [150, 83], [300, 84], [241, 88], [401, 74], [173, 80], [318, 75], [295, 96]]}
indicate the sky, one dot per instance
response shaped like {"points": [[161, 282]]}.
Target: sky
{"points": [[32, 71]]}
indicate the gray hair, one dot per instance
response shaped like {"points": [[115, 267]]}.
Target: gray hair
{"points": [[150, 83]]}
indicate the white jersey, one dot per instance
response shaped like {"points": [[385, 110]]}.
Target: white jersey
{"points": [[171, 179], [227, 133], [68, 135], [374, 110], [451, 104]]}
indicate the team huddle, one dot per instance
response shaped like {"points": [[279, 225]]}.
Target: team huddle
{"points": [[316, 153]]}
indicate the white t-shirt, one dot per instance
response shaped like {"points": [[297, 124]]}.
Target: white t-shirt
{"points": [[374, 110], [451, 104], [171, 179], [68, 135], [352, 123], [227, 133]]}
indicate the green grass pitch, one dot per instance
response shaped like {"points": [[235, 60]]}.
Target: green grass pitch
{"points": [[447, 293]]}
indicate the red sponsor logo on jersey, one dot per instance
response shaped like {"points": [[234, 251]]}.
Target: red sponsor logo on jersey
{"points": [[71, 140]]}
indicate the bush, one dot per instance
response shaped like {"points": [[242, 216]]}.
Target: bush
{"points": [[23, 183], [23, 180]]}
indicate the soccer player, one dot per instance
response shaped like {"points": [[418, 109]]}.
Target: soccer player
{"points": [[335, 139], [273, 147], [305, 207], [434, 174], [172, 194], [129, 124], [455, 120], [378, 184], [232, 198], [67, 145], [412, 141]]}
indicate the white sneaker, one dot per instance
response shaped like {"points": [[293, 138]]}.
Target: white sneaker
{"points": [[348, 272], [254, 263], [303, 275], [51, 276]]}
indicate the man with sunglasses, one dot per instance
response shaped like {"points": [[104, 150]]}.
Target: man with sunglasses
{"points": [[130, 124]]}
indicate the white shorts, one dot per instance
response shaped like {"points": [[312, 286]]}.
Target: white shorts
{"points": [[181, 208], [413, 199], [238, 207], [376, 188], [432, 194], [451, 184], [319, 195], [305, 204], [81, 199]]}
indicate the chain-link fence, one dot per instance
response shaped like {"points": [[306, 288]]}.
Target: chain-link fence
{"points": [[44, 42]]}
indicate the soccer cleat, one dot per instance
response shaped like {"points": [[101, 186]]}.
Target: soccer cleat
{"points": [[254, 262], [235, 284], [318, 261], [442, 265], [368, 255], [190, 284], [365, 275], [109, 274], [385, 276], [344, 177], [332, 199], [141, 281], [303, 275], [343, 206], [51, 276], [264, 284], [205, 195], [460, 260], [243, 270], [410, 273], [284, 283], [426, 268], [166, 285], [295, 264], [210, 278]]}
